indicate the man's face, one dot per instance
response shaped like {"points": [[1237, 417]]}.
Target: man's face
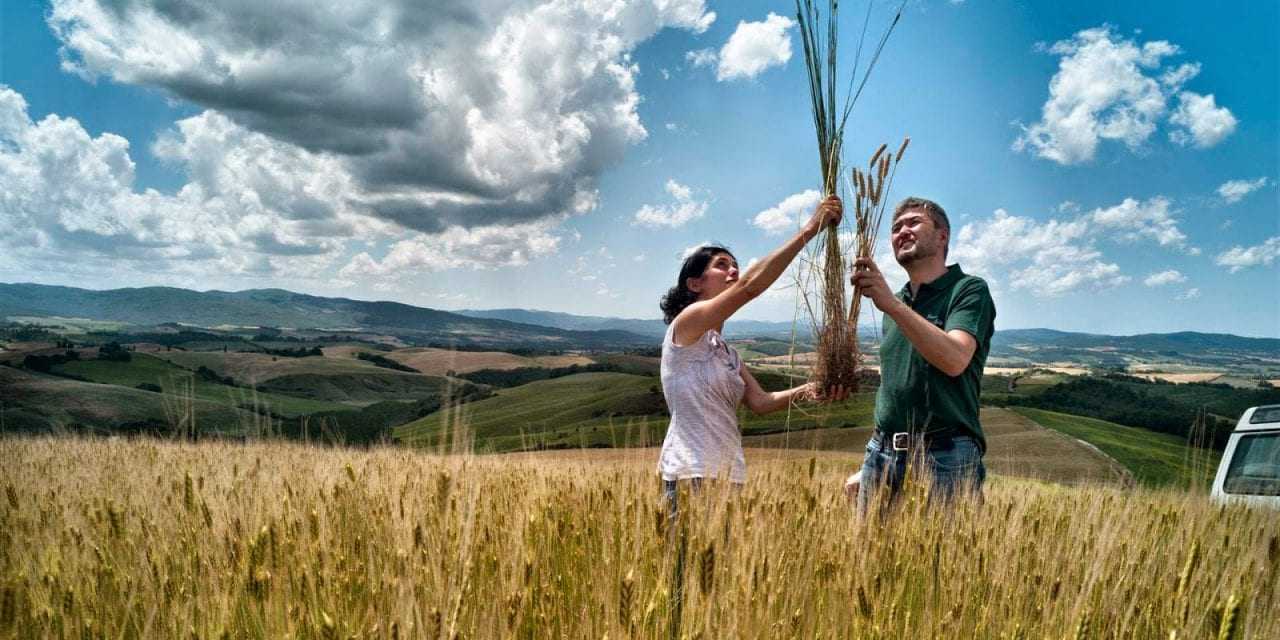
{"points": [[915, 237]]}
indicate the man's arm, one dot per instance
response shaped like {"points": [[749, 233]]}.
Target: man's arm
{"points": [[949, 351]]}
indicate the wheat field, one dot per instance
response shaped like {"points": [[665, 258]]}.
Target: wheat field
{"points": [[140, 538]]}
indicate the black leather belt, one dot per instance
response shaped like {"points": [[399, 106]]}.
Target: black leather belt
{"points": [[903, 441]]}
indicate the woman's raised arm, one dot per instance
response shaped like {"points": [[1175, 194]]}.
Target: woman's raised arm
{"points": [[700, 316]]}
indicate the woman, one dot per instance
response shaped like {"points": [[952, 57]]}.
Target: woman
{"points": [[702, 377]]}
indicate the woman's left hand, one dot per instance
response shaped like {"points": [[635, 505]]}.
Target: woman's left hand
{"points": [[829, 211], [813, 393]]}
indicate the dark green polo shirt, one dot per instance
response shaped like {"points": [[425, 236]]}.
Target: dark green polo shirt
{"points": [[914, 395]]}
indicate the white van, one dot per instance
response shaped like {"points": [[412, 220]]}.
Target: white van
{"points": [[1250, 467]]}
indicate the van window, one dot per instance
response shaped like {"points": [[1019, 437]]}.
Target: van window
{"points": [[1263, 415], [1255, 467]]}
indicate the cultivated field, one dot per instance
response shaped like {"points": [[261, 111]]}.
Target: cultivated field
{"points": [[1157, 459], [439, 361], [601, 409], [148, 369], [107, 406], [1016, 446], [255, 368], [147, 539]]}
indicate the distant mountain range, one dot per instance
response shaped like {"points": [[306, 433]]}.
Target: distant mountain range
{"points": [[654, 327], [150, 306], [1182, 341], [277, 308]]}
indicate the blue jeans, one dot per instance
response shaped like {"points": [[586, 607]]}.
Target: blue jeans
{"points": [[670, 493], [948, 470]]}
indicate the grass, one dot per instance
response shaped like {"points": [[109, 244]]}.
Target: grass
{"points": [[600, 410], [1156, 459], [857, 411], [254, 368], [441, 361], [548, 411], [72, 326], [1016, 447], [332, 379], [141, 538], [50, 401], [146, 369]]}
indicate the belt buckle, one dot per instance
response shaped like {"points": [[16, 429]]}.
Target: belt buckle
{"points": [[901, 441]]}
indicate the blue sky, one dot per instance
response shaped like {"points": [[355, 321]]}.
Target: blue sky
{"points": [[1108, 168]]}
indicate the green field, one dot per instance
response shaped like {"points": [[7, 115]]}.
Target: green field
{"points": [[70, 326], [556, 412], [341, 379], [250, 367], [857, 411], [995, 388], [1156, 459], [599, 410], [39, 402], [146, 369]]}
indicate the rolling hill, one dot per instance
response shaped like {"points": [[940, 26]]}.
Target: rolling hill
{"points": [[506, 328], [38, 402], [595, 410], [1155, 459], [149, 370], [150, 306], [650, 327]]}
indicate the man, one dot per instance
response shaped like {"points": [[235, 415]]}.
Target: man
{"points": [[937, 332]]}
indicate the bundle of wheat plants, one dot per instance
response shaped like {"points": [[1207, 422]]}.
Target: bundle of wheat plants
{"points": [[870, 193], [836, 330]]}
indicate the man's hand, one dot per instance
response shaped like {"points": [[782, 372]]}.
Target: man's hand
{"points": [[868, 280], [852, 484]]}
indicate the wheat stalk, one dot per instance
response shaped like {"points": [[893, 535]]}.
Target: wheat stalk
{"points": [[836, 331]]}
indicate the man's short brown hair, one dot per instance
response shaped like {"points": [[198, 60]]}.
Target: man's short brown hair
{"points": [[935, 211], [928, 206]]}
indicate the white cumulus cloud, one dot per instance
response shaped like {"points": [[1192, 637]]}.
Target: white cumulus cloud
{"points": [[1237, 258], [788, 214], [254, 206], [1170, 276], [1133, 220], [701, 57], [441, 114], [385, 135], [476, 248], [1202, 122], [754, 47], [1233, 191], [1055, 256], [1110, 88], [1048, 258], [676, 214]]}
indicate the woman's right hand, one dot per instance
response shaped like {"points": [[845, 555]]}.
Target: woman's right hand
{"points": [[829, 211]]}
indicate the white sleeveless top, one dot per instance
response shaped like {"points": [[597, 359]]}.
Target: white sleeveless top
{"points": [[703, 387]]}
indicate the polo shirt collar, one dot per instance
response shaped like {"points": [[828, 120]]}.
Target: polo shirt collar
{"points": [[940, 283]]}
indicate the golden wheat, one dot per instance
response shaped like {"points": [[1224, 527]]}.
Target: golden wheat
{"points": [[146, 539]]}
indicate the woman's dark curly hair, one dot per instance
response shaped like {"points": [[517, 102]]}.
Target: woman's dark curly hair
{"points": [[679, 296]]}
